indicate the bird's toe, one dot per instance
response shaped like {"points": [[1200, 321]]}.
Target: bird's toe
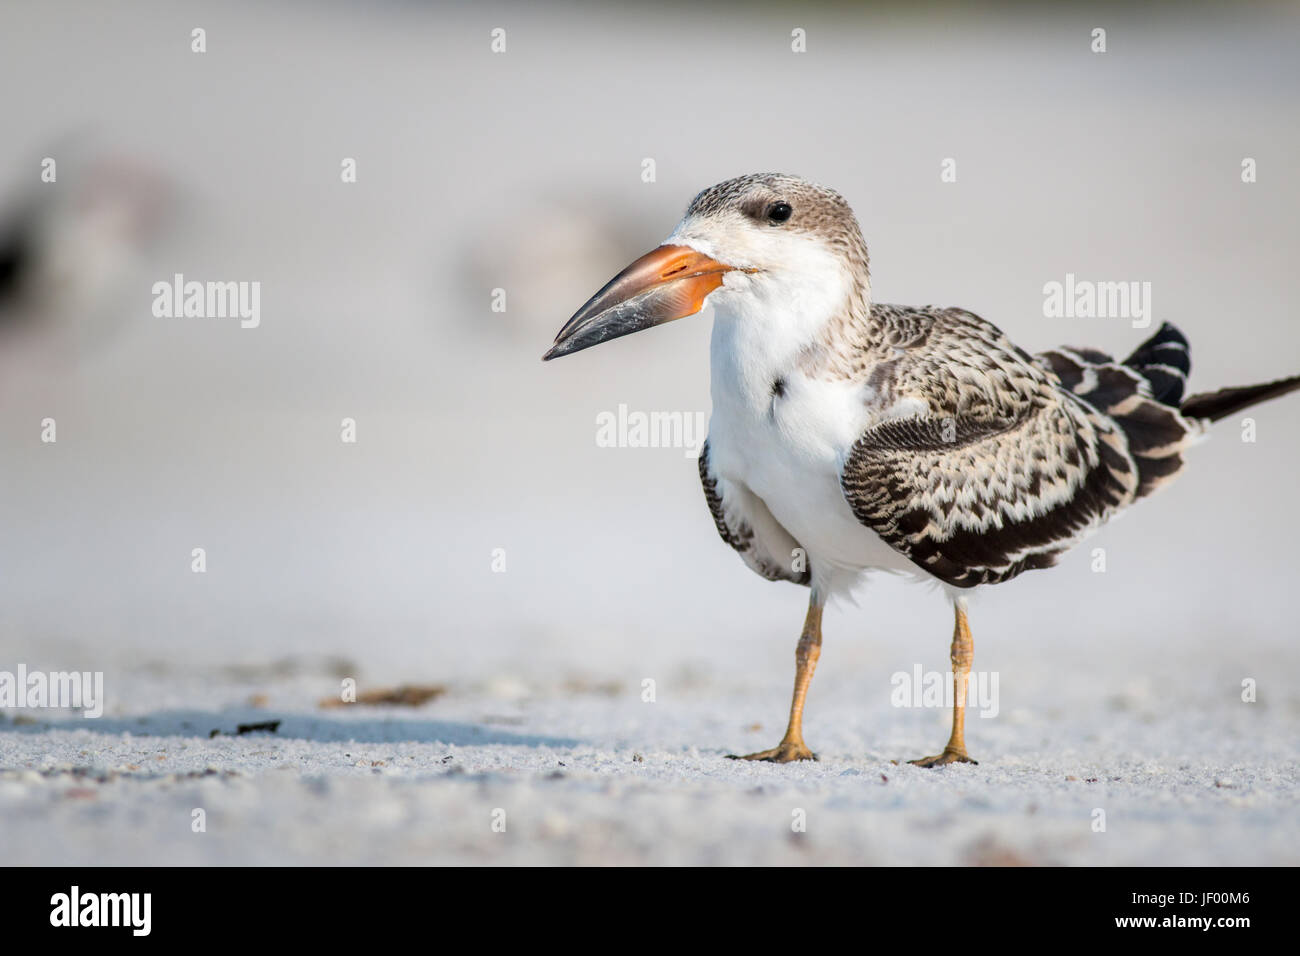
{"points": [[781, 753], [948, 756]]}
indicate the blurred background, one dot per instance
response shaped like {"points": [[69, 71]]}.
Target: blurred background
{"points": [[522, 170]]}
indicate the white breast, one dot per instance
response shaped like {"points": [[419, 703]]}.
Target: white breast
{"points": [[789, 449]]}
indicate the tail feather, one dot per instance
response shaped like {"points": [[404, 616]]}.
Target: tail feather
{"points": [[1139, 396], [1144, 397], [1226, 401], [1164, 360]]}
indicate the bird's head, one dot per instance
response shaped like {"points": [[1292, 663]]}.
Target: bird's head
{"points": [[745, 243]]}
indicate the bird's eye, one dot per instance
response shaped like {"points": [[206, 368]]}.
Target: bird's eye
{"points": [[780, 211]]}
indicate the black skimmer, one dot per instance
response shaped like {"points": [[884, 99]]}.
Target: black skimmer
{"points": [[848, 436]]}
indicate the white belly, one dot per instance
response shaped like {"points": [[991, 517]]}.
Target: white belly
{"points": [[789, 450]]}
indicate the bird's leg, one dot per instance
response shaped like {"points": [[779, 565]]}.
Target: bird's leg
{"points": [[963, 653], [806, 653]]}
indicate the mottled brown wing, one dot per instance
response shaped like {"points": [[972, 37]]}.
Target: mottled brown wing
{"points": [[1006, 470], [1001, 497]]}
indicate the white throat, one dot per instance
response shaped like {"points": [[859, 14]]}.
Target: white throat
{"points": [[766, 321], [780, 427]]}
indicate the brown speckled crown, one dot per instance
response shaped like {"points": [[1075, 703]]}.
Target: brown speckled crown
{"points": [[818, 210]]}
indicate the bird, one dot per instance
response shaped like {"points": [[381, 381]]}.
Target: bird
{"points": [[68, 247], [849, 437]]}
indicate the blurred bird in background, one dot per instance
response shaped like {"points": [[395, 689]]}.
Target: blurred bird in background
{"points": [[68, 247]]}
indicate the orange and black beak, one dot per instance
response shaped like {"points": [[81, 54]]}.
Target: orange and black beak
{"points": [[670, 283]]}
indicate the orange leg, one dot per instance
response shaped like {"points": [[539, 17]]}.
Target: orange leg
{"points": [[792, 746], [963, 653]]}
